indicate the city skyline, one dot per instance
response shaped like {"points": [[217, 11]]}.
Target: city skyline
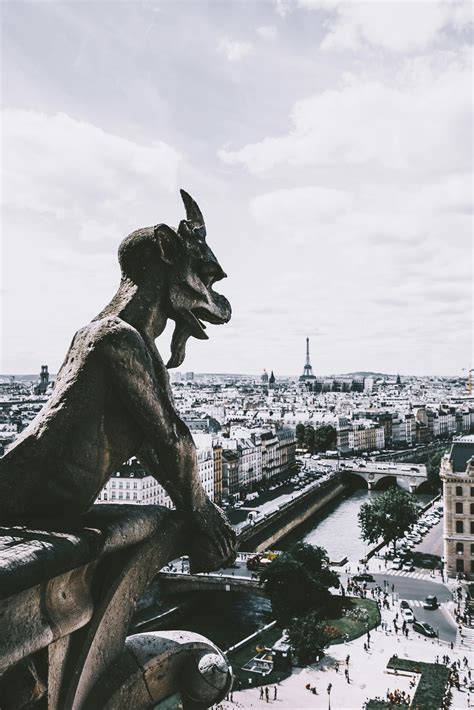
{"points": [[328, 146]]}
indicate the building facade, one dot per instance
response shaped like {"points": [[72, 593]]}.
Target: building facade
{"points": [[457, 475]]}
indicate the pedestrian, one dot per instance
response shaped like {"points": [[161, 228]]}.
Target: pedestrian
{"points": [[346, 673], [365, 647], [348, 658], [267, 694], [452, 645], [261, 692], [336, 666], [275, 692]]}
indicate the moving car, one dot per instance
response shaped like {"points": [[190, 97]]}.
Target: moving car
{"points": [[397, 563], [423, 628], [407, 615], [404, 604], [364, 577], [430, 602], [408, 567]]}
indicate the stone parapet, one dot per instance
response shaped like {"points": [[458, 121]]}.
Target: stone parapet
{"points": [[67, 595]]}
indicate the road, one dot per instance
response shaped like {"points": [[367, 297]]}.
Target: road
{"points": [[415, 590]]}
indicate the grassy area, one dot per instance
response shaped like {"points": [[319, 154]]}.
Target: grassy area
{"points": [[239, 658], [431, 687], [352, 617], [363, 615]]}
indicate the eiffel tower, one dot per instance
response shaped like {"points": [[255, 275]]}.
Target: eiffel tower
{"points": [[307, 370]]}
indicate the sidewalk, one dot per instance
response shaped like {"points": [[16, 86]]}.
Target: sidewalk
{"points": [[367, 671]]}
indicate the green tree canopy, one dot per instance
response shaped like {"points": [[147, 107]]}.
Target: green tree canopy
{"points": [[298, 581], [325, 438], [309, 440], [432, 469], [300, 429], [388, 517], [308, 637]]}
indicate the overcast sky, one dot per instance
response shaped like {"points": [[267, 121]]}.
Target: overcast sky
{"points": [[328, 144]]}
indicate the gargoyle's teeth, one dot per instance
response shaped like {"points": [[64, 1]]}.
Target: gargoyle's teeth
{"points": [[203, 325]]}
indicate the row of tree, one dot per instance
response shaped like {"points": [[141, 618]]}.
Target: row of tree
{"points": [[324, 438]]}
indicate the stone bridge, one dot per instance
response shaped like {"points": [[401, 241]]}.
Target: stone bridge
{"points": [[172, 583], [411, 477]]}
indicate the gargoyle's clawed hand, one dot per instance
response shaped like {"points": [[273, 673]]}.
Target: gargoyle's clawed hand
{"points": [[214, 544]]}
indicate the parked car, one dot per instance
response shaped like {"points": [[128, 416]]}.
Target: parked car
{"points": [[397, 563], [407, 615], [423, 628], [430, 602], [364, 577]]}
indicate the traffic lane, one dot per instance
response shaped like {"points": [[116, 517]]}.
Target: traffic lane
{"points": [[439, 619], [418, 588], [432, 543]]}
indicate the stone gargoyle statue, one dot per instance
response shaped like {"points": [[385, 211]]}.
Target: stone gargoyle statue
{"points": [[112, 398]]}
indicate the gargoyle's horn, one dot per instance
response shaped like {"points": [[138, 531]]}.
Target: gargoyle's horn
{"points": [[193, 213]]}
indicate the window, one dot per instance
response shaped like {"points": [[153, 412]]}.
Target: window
{"points": [[472, 527], [459, 508], [113, 495], [472, 508], [460, 547], [472, 565], [105, 496], [459, 490], [459, 565], [472, 548], [127, 495], [134, 496], [127, 485], [460, 526], [120, 496], [135, 484], [121, 484], [472, 492]]}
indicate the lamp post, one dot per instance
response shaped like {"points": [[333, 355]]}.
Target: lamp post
{"points": [[329, 695]]}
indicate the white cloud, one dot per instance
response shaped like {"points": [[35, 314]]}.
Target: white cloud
{"points": [[397, 26], [267, 32], [417, 120], [75, 168], [233, 50]]}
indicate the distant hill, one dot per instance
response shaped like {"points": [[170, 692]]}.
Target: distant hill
{"points": [[367, 374]]}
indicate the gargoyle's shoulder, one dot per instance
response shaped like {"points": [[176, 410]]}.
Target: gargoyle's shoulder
{"points": [[110, 331]]}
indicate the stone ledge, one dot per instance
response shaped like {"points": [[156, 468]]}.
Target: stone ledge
{"points": [[43, 549]]}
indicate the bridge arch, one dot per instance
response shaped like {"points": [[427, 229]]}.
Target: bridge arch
{"points": [[354, 477], [423, 487], [388, 481]]}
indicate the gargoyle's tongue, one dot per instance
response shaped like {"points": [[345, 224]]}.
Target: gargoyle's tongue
{"points": [[178, 345]]}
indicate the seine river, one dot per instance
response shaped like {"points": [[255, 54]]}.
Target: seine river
{"points": [[225, 618]]}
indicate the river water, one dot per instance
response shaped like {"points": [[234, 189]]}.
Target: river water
{"points": [[225, 618]]}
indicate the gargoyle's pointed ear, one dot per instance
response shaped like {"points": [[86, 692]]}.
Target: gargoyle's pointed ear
{"points": [[193, 214], [168, 243]]}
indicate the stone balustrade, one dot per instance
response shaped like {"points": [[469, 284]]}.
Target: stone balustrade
{"points": [[67, 595]]}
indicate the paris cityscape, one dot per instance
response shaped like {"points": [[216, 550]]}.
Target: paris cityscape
{"points": [[283, 512]]}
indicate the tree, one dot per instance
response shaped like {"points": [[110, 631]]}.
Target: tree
{"points": [[388, 517], [309, 636], [298, 581], [325, 438], [432, 469], [300, 434], [309, 434]]}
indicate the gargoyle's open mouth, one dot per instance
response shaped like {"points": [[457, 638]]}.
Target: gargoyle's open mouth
{"points": [[192, 322]]}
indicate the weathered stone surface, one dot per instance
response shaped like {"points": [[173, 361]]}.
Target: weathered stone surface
{"points": [[112, 397], [155, 665]]}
